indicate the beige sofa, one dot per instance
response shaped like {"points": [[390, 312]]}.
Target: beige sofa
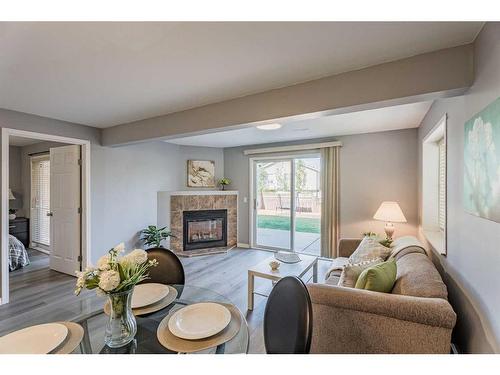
{"points": [[415, 318]]}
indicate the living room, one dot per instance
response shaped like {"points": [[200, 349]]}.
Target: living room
{"points": [[271, 189]]}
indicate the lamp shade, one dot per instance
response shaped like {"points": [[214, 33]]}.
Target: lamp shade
{"points": [[11, 196], [390, 211]]}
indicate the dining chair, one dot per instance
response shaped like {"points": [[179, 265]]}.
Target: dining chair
{"points": [[169, 269], [288, 318]]}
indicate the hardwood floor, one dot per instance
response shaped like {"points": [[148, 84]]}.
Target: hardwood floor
{"points": [[37, 285]]}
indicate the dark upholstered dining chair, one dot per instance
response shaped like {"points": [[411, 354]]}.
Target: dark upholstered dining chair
{"points": [[288, 318], [169, 269]]}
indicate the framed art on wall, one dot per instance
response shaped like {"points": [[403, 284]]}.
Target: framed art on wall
{"points": [[482, 163], [201, 173]]}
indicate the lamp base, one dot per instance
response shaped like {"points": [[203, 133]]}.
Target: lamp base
{"points": [[389, 230]]}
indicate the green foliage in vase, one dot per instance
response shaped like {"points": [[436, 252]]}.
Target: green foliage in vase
{"points": [[153, 235]]}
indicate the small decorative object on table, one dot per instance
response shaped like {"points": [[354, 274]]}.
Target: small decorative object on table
{"points": [[116, 276], [287, 257], [153, 236], [274, 264], [223, 182]]}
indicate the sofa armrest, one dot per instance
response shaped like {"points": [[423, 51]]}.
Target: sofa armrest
{"points": [[347, 246], [347, 320], [430, 311]]}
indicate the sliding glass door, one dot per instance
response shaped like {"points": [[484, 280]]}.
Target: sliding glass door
{"points": [[307, 210], [287, 204], [273, 204]]}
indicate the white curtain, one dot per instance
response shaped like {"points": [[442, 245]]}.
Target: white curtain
{"points": [[330, 201]]}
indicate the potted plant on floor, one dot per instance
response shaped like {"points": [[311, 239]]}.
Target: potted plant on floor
{"points": [[153, 236]]}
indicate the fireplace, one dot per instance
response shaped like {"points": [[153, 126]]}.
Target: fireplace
{"points": [[204, 229]]}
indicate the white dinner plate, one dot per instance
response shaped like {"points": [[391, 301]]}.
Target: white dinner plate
{"points": [[147, 294], [199, 320], [40, 339]]}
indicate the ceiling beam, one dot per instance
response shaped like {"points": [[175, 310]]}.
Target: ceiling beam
{"points": [[427, 76]]}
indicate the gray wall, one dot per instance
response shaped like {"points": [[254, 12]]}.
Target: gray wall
{"points": [[373, 168], [125, 182], [15, 178], [473, 261]]}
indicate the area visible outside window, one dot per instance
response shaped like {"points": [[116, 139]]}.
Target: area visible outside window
{"points": [[288, 204], [40, 201]]}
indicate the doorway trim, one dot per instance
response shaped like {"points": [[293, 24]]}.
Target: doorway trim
{"points": [[4, 215]]}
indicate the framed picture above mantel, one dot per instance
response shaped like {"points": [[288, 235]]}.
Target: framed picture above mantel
{"points": [[201, 173]]}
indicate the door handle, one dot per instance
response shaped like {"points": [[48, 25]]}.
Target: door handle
{"points": [[50, 214]]}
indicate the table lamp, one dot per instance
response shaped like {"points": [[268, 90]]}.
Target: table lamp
{"points": [[390, 212], [12, 213]]}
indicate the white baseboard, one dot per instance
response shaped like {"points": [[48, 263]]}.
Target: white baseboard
{"points": [[243, 245]]}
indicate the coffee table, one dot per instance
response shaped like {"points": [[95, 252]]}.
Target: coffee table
{"points": [[263, 270]]}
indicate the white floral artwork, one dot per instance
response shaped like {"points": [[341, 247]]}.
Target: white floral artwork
{"points": [[481, 163], [201, 173]]}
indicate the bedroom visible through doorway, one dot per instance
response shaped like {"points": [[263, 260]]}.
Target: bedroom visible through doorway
{"points": [[45, 208]]}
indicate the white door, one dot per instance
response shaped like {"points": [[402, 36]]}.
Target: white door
{"points": [[65, 209]]}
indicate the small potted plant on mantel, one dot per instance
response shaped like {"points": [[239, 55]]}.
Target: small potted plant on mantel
{"points": [[153, 236], [223, 182]]}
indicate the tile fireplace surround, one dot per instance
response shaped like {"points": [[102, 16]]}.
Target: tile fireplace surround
{"points": [[171, 206]]}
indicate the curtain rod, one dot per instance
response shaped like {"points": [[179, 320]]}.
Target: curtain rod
{"points": [[310, 146]]}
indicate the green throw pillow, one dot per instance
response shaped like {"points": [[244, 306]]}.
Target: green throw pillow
{"points": [[378, 278]]}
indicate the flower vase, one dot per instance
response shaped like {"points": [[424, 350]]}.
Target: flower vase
{"points": [[121, 327]]}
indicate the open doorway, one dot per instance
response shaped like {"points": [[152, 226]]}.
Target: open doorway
{"points": [[47, 232]]}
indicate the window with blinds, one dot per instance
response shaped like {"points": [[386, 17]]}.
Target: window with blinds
{"points": [[442, 185], [40, 200]]}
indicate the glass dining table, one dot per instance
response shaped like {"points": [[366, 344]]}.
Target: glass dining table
{"points": [[87, 310]]}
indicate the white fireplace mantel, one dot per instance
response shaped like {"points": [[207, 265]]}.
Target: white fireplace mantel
{"points": [[202, 192]]}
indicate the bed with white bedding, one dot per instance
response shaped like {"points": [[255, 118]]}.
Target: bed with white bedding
{"points": [[18, 256]]}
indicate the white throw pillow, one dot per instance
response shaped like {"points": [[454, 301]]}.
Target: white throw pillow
{"points": [[351, 272], [368, 249]]}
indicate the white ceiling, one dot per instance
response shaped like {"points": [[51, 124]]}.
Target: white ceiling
{"points": [[375, 120], [103, 74]]}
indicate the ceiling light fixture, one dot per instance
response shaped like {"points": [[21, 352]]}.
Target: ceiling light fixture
{"points": [[269, 126]]}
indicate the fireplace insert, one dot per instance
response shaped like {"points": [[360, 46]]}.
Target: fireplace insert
{"points": [[204, 229]]}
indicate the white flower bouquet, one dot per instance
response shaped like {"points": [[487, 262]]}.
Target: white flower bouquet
{"points": [[115, 273], [115, 276]]}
